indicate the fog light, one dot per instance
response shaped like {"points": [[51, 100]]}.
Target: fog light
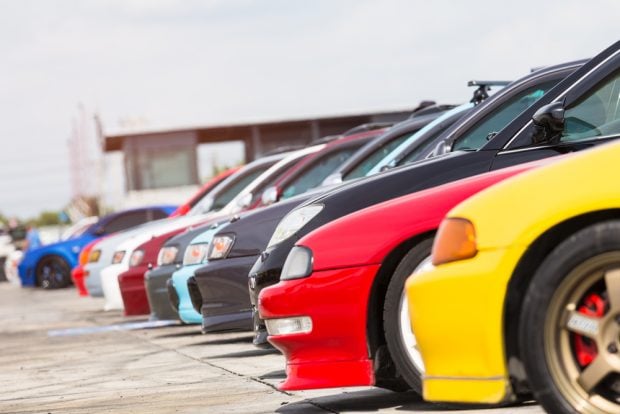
{"points": [[287, 326]]}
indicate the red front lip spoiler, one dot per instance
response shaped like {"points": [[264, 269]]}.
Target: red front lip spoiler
{"points": [[78, 274], [335, 352]]}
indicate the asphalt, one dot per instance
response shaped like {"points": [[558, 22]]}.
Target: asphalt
{"points": [[60, 353]]}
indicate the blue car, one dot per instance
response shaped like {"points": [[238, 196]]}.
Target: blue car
{"points": [[50, 266]]}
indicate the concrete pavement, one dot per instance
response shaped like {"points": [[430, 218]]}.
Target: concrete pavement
{"points": [[62, 354]]}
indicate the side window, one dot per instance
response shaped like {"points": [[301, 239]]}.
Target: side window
{"points": [[373, 158], [156, 214], [316, 173], [125, 221], [495, 121], [596, 114]]}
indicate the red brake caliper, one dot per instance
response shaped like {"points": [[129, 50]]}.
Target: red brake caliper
{"points": [[585, 348]]}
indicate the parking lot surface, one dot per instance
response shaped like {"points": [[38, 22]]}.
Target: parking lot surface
{"points": [[63, 354]]}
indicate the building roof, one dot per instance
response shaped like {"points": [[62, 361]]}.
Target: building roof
{"points": [[241, 131]]}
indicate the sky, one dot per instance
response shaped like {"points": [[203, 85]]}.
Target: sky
{"points": [[175, 63]]}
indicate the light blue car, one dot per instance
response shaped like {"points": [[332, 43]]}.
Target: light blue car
{"points": [[194, 258]]}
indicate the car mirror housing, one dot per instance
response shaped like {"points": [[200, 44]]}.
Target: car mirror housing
{"points": [[270, 196], [245, 201], [548, 123]]}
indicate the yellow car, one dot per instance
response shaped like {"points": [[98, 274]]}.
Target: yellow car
{"points": [[524, 291]]}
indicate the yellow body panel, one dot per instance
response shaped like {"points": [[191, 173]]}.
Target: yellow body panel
{"points": [[457, 308]]}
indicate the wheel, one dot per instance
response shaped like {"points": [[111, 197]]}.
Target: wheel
{"points": [[400, 340], [569, 332], [53, 272]]}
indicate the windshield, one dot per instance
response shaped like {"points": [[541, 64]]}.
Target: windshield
{"points": [[424, 149], [495, 121], [419, 137], [223, 197], [78, 228], [374, 157], [318, 171]]}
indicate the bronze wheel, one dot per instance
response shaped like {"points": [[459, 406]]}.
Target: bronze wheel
{"points": [[570, 324], [582, 336]]}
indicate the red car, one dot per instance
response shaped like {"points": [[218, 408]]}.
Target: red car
{"points": [[339, 316], [77, 273], [131, 282], [203, 191]]}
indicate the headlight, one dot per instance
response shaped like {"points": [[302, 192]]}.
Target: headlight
{"points": [[118, 256], [94, 256], [220, 246], [167, 255], [195, 253], [294, 221], [298, 264], [136, 258], [456, 240]]}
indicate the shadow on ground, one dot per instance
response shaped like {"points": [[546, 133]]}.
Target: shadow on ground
{"points": [[374, 400], [246, 354], [225, 341], [279, 374]]}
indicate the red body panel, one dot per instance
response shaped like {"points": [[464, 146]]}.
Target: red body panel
{"points": [[131, 282], [77, 273], [208, 186], [347, 253], [133, 291], [338, 338]]}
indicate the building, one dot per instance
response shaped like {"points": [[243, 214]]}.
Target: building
{"points": [[162, 166]]}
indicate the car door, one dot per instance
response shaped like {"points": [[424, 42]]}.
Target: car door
{"points": [[591, 114]]}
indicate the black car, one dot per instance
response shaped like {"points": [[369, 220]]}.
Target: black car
{"points": [[219, 289], [498, 134]]}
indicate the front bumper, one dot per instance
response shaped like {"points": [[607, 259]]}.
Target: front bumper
{"points": [[93, 279], [335, 352], [133, 292], [110, 287], [266, 272], [186, 311], [457, 314], [25, 270], [223, 285], [156, 281], [78, 275]]}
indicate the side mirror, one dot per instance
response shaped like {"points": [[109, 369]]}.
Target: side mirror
{"points": [[245, 201], [335, 178], [270, 195], [548, 123]]}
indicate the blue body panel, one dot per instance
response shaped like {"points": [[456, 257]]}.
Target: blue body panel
{"points": [[69, 250]]}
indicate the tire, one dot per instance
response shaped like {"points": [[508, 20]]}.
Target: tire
{"points": [[574, 281], [53, 272], [408, 362]]}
